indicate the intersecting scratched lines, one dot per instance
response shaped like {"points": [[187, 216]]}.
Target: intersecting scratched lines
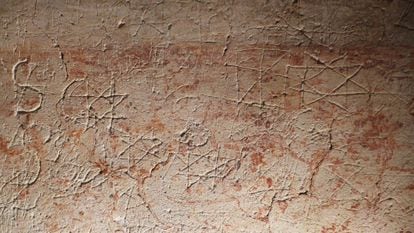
{"points": [[206, 116], [201, 161], [340, 81], [258, 73], [99, 104]]}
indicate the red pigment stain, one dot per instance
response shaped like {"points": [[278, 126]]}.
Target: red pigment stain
{"points": [[376, 126], [31, 102], [23, 194], [317, 157], [355, 206], [5, 148], [76, 133], [262, 215], [125, 127], [80, 56], [283, 205], [257, 160], [332, 229], [76, 72], [232, 146], [156, 125], [237, 186], [114, 143], [103, 167], [410, 187], [296, 59], [269, 182]]}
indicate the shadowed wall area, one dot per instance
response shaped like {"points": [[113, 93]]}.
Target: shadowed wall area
{"points": [[206, 116]]}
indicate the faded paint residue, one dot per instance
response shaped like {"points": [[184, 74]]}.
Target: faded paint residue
{"points": [[206, 116]]}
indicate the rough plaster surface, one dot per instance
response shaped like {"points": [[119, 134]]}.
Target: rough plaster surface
{"points": [[206, 116]]}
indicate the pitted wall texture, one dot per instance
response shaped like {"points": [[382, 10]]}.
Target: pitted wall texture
{"points": [[206, 116]]}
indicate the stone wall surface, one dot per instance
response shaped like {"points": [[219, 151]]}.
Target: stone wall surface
{"points": [[206, 116]]}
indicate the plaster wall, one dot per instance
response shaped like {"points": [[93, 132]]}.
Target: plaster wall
{"points": [[206, 116]]}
